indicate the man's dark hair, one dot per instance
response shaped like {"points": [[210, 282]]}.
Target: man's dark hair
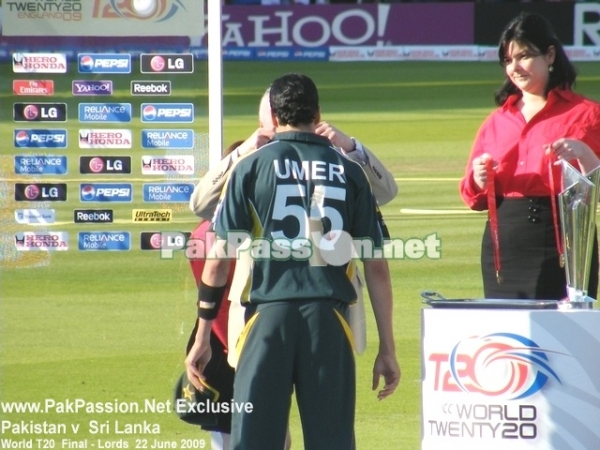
{"points": [[294, 100], [535, 32]]}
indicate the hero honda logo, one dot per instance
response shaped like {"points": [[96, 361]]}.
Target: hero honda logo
{"points": [[167, 63], [500, 365], [104, 63], [92, 87], [40, 138], [105, 192], [39, 63], [104, 138], [49, 241], [167, 112]]}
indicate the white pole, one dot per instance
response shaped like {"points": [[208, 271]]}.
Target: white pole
{"points": [[215, 83]]}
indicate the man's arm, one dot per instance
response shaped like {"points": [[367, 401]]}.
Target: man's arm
{"points": [[377, 277], [214, 275], [207, 192], [382, 181]]}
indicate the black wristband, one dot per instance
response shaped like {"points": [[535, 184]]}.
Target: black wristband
{"points": [[209, 300]]}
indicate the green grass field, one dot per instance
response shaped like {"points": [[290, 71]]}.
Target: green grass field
{"points": [[106, 326]]}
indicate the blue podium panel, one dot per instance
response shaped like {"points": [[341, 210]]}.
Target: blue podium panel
{"points": [[499, 379]]}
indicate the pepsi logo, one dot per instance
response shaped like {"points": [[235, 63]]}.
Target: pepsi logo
{"points": [[96, 165], [88, 192], [156, 240], [149, 112], [31, 192], [22, 138], [158, 64], [31, 112], [86, 63]]}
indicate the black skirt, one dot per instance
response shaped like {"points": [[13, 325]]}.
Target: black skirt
{"points": [[530, 266]]}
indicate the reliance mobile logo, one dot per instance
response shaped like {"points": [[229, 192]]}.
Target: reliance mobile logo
{"points": [[35, 216], [151, 11], [168, 192], [104, 240], [105, 192], [104, 138], [40, 138], [33, 87], [105, 112], [92, 87], [40, 112], [39, 63], [166, 63], [40, 165], [501, 365], [47, 242], [165, 139], [167, 112], [104, 63]]}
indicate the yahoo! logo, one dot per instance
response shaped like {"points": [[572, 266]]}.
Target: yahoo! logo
{"points": [[501, 365]]}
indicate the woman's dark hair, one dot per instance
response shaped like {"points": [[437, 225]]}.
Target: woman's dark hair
{"points": [[536, 33]]}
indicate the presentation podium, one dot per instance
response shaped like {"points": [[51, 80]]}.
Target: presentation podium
{"points": [[498, 377]]}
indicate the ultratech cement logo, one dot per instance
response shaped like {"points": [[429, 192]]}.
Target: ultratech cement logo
{"points": [[167, 63], [93, 216], [105, 164], [150, 88], [40, 192], [40, 112], [151, 215], [33, 87], [39, 63], [46, 242], [104, 138]]}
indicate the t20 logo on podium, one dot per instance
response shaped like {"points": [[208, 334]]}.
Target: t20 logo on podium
{"points": [[500, 365]]}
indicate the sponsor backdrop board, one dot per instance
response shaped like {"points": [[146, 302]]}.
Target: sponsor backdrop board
{"points": [[95, 159], [510, 379]]}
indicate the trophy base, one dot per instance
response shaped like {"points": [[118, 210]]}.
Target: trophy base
{"points": [[581, 303]]}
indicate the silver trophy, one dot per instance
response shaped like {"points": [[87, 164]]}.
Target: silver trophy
{"points": [[577, 204]]}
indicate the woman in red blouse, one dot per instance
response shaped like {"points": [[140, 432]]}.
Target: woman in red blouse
{"points": [[512, 168]]}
